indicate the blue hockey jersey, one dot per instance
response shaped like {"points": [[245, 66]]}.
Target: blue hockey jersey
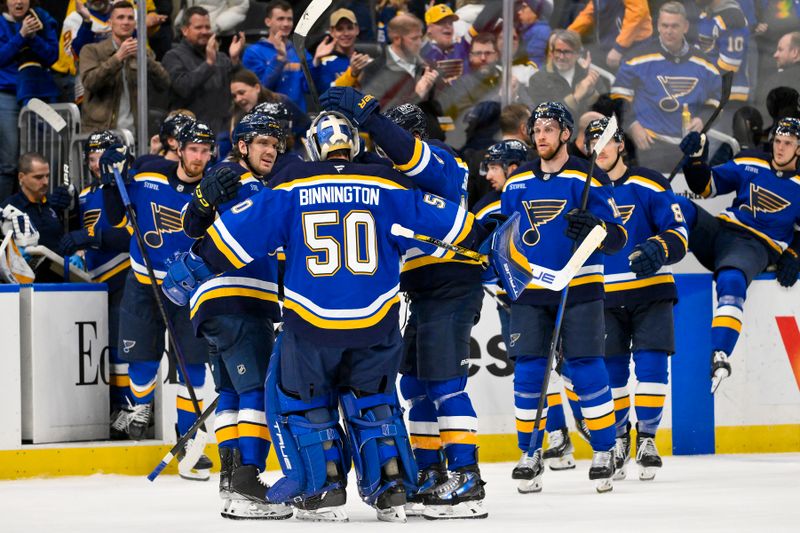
{"points": [[109, 264], [767, 202], [334, 219], [657, 85], [724, 36], [649, 210], [252, 289], [489, 204], [542, 199]]}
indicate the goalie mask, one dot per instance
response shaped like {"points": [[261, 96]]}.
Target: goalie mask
{"points": [[330, 132]]}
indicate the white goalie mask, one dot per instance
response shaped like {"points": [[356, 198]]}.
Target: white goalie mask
{"points": [[329, 132]]}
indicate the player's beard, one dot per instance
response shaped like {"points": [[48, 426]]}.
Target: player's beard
{"points": [[553, 153], [189, 173]]}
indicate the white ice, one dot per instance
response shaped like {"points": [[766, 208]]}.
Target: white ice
{"points": [[702, 493]]}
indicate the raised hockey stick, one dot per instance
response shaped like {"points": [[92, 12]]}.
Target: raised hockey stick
{"points": [[173, 338], [544, 277], [724, 97], [608, 133], [183, 440], [311, 15]]}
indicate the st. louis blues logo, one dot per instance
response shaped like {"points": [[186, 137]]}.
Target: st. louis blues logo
{"points": [[625, 212], [675, 87], [540, 212], [90, 218], [764, 200], [165, 220]]}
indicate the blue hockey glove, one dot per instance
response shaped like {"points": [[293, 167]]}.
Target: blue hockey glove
{"points": [[647, 258], [694, 145], [185, 273], [61, 198], [579, 223], [217, 187], [77, 262], [79, 239], [788, 268], [356, 106], [115, 156]]}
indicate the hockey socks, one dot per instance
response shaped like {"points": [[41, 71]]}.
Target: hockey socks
{"points": [[652, 375], [423, 426], [555, 407], [619, 370], [142, 376], [458, 423], [119, 389], [590, 379], [183, 401], [254, 440], [727, 323], [528, 377]]}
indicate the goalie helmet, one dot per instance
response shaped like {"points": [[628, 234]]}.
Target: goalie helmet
{"points": [[329, 132], [511, 152], [554, 111], [788, 126], [276, 110], [198, 133], [99, 141], [172, 126], [257, 124], [595, 129], [411, 118]]}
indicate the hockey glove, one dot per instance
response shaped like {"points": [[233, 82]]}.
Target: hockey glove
{"points": [[185, 273], [19, 224], [647, 258], [788, 268], [77, 262], [79, 239], [356, 106], [217, 187], [115, 156], [61, 198], [694, 145], [579, 223]]}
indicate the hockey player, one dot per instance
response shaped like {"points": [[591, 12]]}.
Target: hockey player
{"points": [[236, 313], [445, 302], [341, 342], [640, 294], [107, 260], [758, 229], [168, 138], [548, 193], [158, 197]]}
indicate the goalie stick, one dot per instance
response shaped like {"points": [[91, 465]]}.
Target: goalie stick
{"points": [[310, 16], [608, 133]]}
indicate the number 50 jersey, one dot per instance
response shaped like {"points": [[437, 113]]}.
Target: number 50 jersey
{"points": [[334, 221]]}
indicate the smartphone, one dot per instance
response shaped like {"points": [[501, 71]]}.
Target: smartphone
{"points": [[450, 68], [32, 13]]}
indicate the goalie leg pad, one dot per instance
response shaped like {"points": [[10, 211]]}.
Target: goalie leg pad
{"points": [[377, 435], [306, 436]]}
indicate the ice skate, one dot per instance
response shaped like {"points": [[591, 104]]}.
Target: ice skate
{"points": [[229, 459], [622, 454], [327, 506], [119, 423], [138, 420], [720, 369], [461, 496], [390, 506], [647, 457], [247, 499], [583, 430], [529, 471], [558, 455], [427, 481], [602, 471]]}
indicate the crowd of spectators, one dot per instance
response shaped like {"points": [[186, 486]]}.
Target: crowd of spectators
{"points": [[658, 65]]}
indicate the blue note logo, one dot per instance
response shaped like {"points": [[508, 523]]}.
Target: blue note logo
{"points": [[165, 220], [764, 201], [540, 212]]}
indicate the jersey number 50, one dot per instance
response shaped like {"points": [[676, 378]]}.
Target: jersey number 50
{"points": [[360, 243]]}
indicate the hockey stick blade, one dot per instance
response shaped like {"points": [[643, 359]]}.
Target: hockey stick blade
{"points": [[48, 114], [194, 450], [557, 280], [311, 15], [608, 133]]}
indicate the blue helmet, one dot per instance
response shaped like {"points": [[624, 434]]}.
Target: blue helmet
{"points": [[171, 127], [512, 152], [411, 118], [99, 141], [596, 128], [256, 124], [276, 110], [196, 132], [554, 111], [329, 132], [788, 126]]}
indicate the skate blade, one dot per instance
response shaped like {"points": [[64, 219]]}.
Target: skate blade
{"points": [[392, 514], [603, 485], [460, 511], [194, 475], [647, 473], [620, 474], [414, 509], [247, 510], [323, 514], [566, 462], [528, 486]]}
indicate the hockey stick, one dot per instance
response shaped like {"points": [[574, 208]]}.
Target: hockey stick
{"points": [[311, 15], [544, 277], [608, 133], [724, 97], [173, 338], [183, 440]]}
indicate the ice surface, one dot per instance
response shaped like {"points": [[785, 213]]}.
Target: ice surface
{"points": [[701, 493]]}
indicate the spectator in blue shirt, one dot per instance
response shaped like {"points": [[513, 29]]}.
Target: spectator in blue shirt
{"points": [[533, 19], [334, 53]]}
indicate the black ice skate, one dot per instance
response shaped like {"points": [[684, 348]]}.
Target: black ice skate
{"points": [[229, 459], [427, 480], [119, 423], [138, 420], [391, 504], [461, 496], [529, 471], [622, 454], [720, 369], [647, 457], [327, 506], [583, 430], [248, 499], [602, 470], [559, 450]]}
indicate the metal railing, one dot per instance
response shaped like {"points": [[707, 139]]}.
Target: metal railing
{"points": [[36, 135]]}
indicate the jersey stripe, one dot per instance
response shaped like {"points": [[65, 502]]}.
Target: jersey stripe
{"points": [[355, 179]]}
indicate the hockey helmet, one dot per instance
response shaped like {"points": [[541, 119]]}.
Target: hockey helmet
{"points": [[554, 111], [595, 129], [788, 126], [99, 141], [329, 132], [511, 152], [171, 127], [411, 118], [196, 132], [256, 124], [276, 110]]}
